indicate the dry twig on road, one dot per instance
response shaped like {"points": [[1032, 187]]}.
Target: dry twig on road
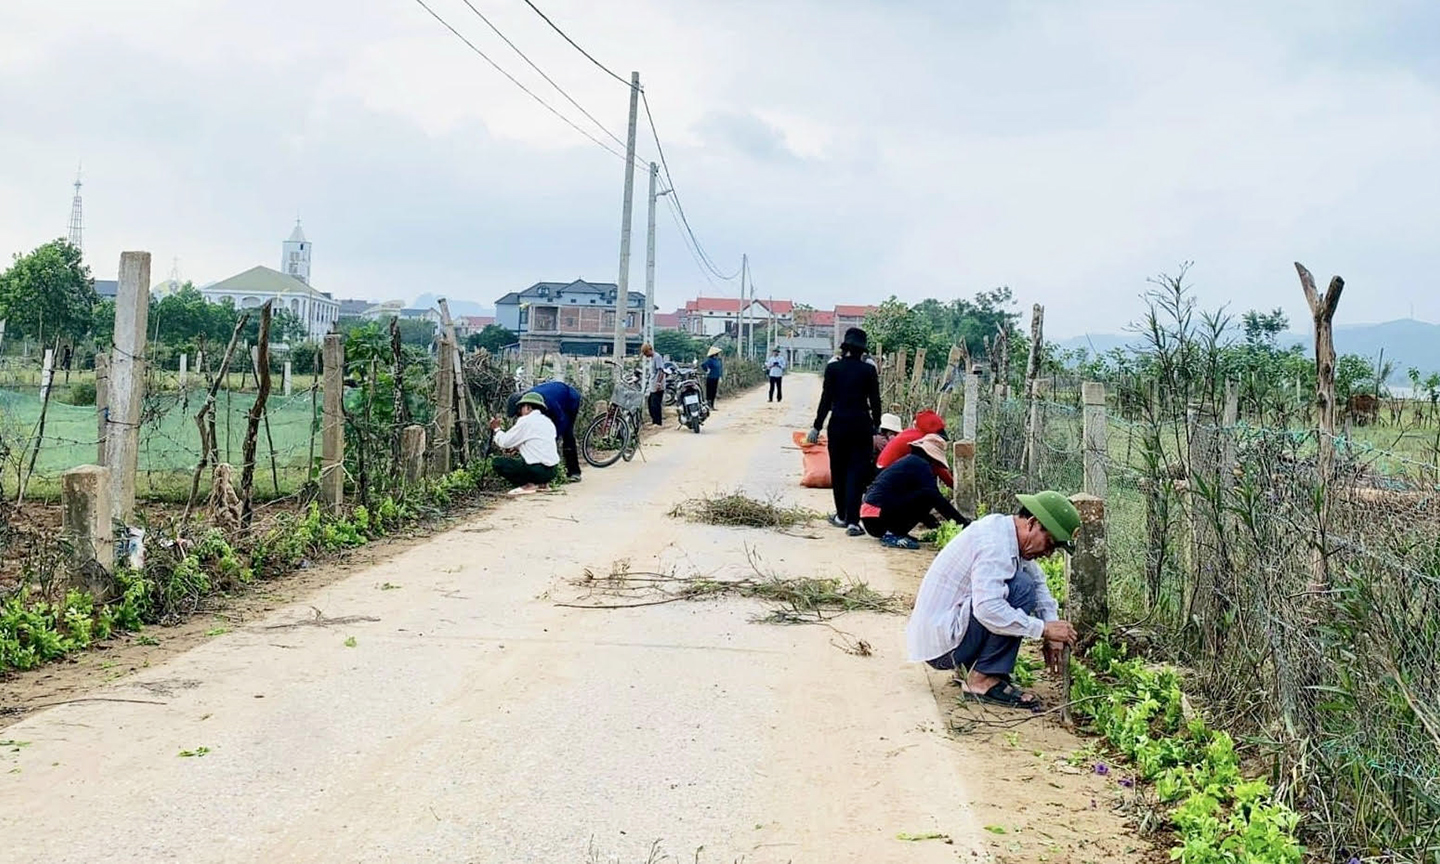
{"points": [[738, 510], [797, 600]]}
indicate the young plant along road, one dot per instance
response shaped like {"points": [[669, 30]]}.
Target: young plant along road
{"points": [[441, 705]]}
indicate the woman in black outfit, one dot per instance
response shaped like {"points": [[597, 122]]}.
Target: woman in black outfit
{"points": [[851, 397]]}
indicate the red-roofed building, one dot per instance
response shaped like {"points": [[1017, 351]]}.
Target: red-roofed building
{"points": [[465, 325], [668, 320]]}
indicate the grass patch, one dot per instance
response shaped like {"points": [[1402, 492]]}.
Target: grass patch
{"points": [[737, 510]]}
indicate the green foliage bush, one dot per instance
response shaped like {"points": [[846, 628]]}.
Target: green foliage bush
{"points": [[81, 393], [1220, 817]]}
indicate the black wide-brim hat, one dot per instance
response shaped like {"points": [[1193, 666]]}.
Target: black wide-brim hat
{"points": [[855, 338]]}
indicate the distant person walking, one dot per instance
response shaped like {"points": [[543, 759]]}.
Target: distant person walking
{"points": [[714, 370], [775, 369], [656, 399], [851, 399]]}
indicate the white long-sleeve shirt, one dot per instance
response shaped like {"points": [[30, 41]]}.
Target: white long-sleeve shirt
{"points": [[534, 436], [970, 574]]}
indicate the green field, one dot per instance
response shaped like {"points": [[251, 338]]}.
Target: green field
{"points": [[169, 440]]}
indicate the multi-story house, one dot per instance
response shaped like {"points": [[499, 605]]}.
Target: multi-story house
{"points": [[575, 318]]}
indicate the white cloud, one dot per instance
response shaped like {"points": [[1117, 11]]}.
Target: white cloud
{"points": [[854, 149]]}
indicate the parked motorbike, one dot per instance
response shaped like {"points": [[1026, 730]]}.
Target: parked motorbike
{"points": [[690, 399]]}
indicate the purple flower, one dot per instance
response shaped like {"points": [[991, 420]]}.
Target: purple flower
{"points": [[1127, 782], [1102, 769], [1353, 860]]}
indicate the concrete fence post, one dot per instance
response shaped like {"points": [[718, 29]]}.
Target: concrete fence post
{"points": [[286, 382], [184, 369], [970, 422], [1096, 481], [85, 522], [412, 453], [332, 429], [127, 382], [965, 490], [444, 407], [1088, 605]]}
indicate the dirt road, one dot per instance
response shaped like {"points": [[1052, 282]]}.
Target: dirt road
{"points": [[463, 716]]}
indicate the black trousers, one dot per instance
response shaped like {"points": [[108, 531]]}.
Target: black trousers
{"points": [[570, 451], [897, 520], [851, 467], [518, 472], [656, 401], [776, 390], [711, 385]]}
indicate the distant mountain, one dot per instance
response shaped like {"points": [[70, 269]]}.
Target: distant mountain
{"points": [[457, 307], [1407, 342]]}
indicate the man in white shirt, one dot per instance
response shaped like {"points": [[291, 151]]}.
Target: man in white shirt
{"points": [[534, 436], [983, 593], [775, 371]]}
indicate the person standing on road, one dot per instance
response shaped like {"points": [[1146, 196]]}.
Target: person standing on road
{"points": [[983, 594], [534, 436], [714, 370], [905, 495], [775, 370], [656, 399], [851, 399], [562, 404]]}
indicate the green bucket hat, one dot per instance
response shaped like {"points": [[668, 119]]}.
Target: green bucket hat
{"points": [[532, 399], [1056, 513]]}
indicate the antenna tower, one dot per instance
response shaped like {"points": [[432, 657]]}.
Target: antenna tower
{"points": [[77, 231]]}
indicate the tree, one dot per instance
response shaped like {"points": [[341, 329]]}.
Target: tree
{"points": [[48, 294], [1263, 329], [492, 338], [679, 347]]}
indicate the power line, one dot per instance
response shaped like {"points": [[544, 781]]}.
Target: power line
{"points": [[676, 195], [684, 238], [587, 54], [548, 79], [513, 80]]}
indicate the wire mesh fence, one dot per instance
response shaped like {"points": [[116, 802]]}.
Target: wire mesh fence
{"points": [[1308, 617]]}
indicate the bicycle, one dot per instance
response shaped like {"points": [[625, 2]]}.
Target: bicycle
{"points": [[615, 433]]}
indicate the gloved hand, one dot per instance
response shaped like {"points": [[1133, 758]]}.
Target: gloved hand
{"points": [[813, 437]]}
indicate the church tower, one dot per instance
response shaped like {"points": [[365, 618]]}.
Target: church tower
{"points": [[295, 259]]}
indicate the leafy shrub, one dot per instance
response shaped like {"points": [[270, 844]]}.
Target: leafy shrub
{"points": [[81, 393]]}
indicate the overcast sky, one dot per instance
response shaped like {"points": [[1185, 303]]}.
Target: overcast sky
{"points": [[854, 148]]}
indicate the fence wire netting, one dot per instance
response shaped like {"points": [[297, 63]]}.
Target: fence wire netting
{"points": [[1307, 617]]}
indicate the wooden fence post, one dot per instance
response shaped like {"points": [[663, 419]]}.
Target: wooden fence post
{"points": [[1089, 602], [1322, 311], [462, 405], [332, 429], [1032, 379], [127, 382], [1094, 439], [1228, 458], [412, 453], [102, 405], [444, 407], [965, 494], [919, 371], [949, 380], [1204, 529]]}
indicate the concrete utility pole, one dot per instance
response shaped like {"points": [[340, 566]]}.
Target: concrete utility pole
{"points": [[740, 321], [649, 319], [622, 293]]}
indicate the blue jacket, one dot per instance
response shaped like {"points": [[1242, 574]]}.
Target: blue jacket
{"points": [[713, 367], [563, 402]]}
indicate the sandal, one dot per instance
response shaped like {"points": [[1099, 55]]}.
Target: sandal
{"points": [[1005, 694]]}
